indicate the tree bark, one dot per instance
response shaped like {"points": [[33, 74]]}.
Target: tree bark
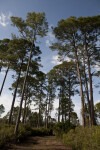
{"points": [[39, 117], [81, 89], [23, 89], [4, 81], [24, 112], [69, 105], [46, 117], [59, 107], [15, 92], [87, 91], [90, 83]]}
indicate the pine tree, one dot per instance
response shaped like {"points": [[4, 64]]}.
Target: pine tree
{"points": [[35, 25]]}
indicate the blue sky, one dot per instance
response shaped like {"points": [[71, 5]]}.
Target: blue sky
{"points": [[54, 10]]}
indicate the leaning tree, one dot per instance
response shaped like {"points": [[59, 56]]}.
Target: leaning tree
{"points": [[34, 26]]}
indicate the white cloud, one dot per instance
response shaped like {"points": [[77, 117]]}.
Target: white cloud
{"points": [[56, 60], [9, 15], [56, 105], [50, 37], [97, 101], [6, 100], [2, 73], [4, 19], [97, 67], [67, 59], [77, 109], [48, 43], [50, 26]]}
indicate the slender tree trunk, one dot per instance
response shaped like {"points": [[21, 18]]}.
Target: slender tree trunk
{"points": [[81, 89], [69, 105], [39, 118], [87, 91], [59, 111], [65, 116], [25, 108], [90, 84], [23, 89], [46, 117], [4, 81], [24, 112], [59, 107], [62, 107], [62, 117], [15, 92], [49, 110], [0, 68]]}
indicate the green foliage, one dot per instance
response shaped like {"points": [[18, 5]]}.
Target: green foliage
{"points": [[74, 118], [23, 132], [28, 130], [34, 25], [6, 134], [2, 109], [41, 131], [97, 109], [97, 112], [60, 128], [37, 22], [83, 138]]}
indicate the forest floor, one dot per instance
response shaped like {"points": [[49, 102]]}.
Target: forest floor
{"points": [[40, 143]]}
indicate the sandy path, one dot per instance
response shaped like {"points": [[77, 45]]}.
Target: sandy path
{"points": [[40, 143]]}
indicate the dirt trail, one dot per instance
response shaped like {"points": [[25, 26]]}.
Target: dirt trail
{"points": [[40, 143]]}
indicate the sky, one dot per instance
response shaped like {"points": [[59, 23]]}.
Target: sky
{"points": [[54, 10]]}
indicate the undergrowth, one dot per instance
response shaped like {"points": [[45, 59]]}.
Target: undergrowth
{"points": [[7, 133]]}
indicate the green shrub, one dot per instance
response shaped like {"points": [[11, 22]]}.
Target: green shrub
{"points": [[6, 134], [61, 128], [83, 138], [23, 132], [41, 131]]}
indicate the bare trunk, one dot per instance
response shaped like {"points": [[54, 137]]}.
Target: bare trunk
{"points": [[46, 118], [39, 115], [59, 111], [62, 118], [91, 96], [59, 107], [87, 92], [39, 118], [24, 113], [15, 92], [90, 83], [23, 89], [65, 116], [4, 81], [69, 101], [81, 89]]}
